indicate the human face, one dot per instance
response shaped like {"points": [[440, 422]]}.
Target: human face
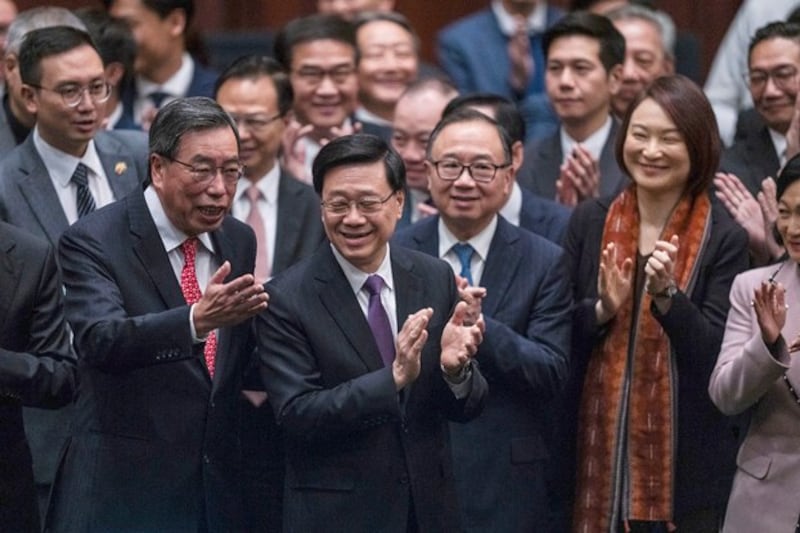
{"points": [[415, 117], [467, 206], [645, 60], [159, 41], [773, 101], [387, 64], [254, 101], [348, 9], [326, 102], [67, 128], [520, 7], [8, 12], [655, 152], [788, 222], [361, 238], [577, 82], [192, 207]]}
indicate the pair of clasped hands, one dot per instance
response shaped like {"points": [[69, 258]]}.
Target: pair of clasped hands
{"points": [[461, 336]]}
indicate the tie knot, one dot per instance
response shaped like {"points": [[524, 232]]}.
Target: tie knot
{"points": [[189, 249], [374, 284], [81, 175], [464, 252], [158, 98], [253, 193]]}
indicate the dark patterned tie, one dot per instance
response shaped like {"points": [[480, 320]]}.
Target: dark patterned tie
{"points": [[379, 320], [81, 180], [464, 253]]}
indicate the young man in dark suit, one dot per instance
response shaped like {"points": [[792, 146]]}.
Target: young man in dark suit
{"points": [[504, 451], [160, 293], [364, 355]]}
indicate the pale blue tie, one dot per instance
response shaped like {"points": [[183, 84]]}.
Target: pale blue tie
{"points": [[464, 252]]}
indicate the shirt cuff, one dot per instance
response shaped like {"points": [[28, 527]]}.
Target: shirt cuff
{"points": [[460, 385], [192, 330]]}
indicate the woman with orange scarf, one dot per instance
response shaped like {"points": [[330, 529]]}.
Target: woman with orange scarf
{"points": [[652, 269]]}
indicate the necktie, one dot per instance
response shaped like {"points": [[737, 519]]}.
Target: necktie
{"points": [[255, 221], [378, 320], [191, 293], [81, 180], [158, 98], [464, 253]]}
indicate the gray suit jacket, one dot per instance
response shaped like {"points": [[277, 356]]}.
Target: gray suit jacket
{"points": [[543, 160], [747, 378], [29, 200], [7, 140]]}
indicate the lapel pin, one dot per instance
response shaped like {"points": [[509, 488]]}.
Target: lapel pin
{"points": [[120, 168]]}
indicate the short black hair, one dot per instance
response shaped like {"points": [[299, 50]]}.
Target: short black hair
{"points": [[464, 115], [45, 42], [164, 7], [113, 38], [313, 28], [256, 66], [598, 27], [506, 114], [774, 30], [358, 149]]}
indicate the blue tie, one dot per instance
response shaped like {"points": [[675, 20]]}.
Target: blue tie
{"points": [[85, 201], [464, 253]]}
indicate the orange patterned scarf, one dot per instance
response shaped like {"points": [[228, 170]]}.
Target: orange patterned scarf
{"points": [[627, 423]]}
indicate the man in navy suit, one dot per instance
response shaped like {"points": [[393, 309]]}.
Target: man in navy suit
{"points": [[37, 367], [501, 457], [365, 353], [499, 50], [164, 68], [256, 92], [584, 53], [159, 294]]}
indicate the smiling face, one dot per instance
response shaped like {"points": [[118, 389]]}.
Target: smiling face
{"points": [[193, 207], [773, 100], [360, 238], [788, 222], [655, 151]]}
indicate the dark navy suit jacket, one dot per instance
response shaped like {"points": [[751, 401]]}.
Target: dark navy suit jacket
{"points": [[752, 156]]}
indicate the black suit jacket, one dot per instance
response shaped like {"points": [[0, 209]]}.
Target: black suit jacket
{"points": [[299, 230], [155, 444], [357, 451], [524, 357], [752, 156], [543, 216], [37, 367], [542, 166]]}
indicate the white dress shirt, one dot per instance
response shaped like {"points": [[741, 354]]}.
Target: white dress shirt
{"points": [[267, 206], [536, 21], [176, 86], [512, 209], [593, 144], [480, 243]]}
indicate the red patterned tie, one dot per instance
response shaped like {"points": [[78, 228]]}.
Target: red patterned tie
{"points": [[191, 292]]}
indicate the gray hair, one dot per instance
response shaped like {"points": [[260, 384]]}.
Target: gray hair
{"points": [[186, 115], [657, 18], [38, 18]]}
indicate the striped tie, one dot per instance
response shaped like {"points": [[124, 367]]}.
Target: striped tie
{"points": [[85, 200]]}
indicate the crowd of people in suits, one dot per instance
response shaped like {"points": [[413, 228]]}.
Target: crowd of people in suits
{"points": [[544, 285]]}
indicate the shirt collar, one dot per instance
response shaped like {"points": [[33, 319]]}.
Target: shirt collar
{"points": [[268, 185], [594, 143], [171, 237], [537, 20], [61, 165], [779, 142], [479, 242], [177, 85], [365, 115], [356, 278], [513, 206]]}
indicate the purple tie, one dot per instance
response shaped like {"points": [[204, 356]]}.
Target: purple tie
{"points": [[378, 320]]}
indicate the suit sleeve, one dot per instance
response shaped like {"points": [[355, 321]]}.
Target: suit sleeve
{"points": [[43, 375], [106, 336], [453, 61]]}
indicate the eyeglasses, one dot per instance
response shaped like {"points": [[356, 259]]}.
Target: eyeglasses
{"points": [[781, 76], [480, 171], [314, 75], [254, 121], [203, 173], [366, 205], [72, 93]]}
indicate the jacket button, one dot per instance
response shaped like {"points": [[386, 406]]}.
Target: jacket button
{"points": [[206, 459]]}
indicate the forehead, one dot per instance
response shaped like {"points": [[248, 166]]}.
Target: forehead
{"points": [[639, 33], [473, 137], [574, 47], [128, 8], [776, 50], [208, 143], [420, 110], [382, 32], [80, 62], [250, 91], [322, 52], [650, 114], [363, 178]]}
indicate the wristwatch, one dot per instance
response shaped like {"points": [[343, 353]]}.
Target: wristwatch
{"points": [[668, 292]]}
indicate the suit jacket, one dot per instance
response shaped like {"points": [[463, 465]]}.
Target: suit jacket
{"points": [[7, 140], [299, 230], [747, 379], [155, 445], [358, 451], [752, 158], [543, 159], [524, 357], [37, 367], [706, 441], [473, 51], [543, 216]]}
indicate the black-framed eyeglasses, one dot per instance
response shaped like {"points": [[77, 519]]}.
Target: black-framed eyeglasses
{"points": [[314, 75], [366, 205], [204, 173], [254, 121], [782, 77], [72, 93], [481, 171]]}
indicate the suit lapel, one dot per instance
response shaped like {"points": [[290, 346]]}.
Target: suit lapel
{"points": [[610, 176], [120, 168], [426, 236], [550, 157], [288, 224], [502, 262], [10, 270]]}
